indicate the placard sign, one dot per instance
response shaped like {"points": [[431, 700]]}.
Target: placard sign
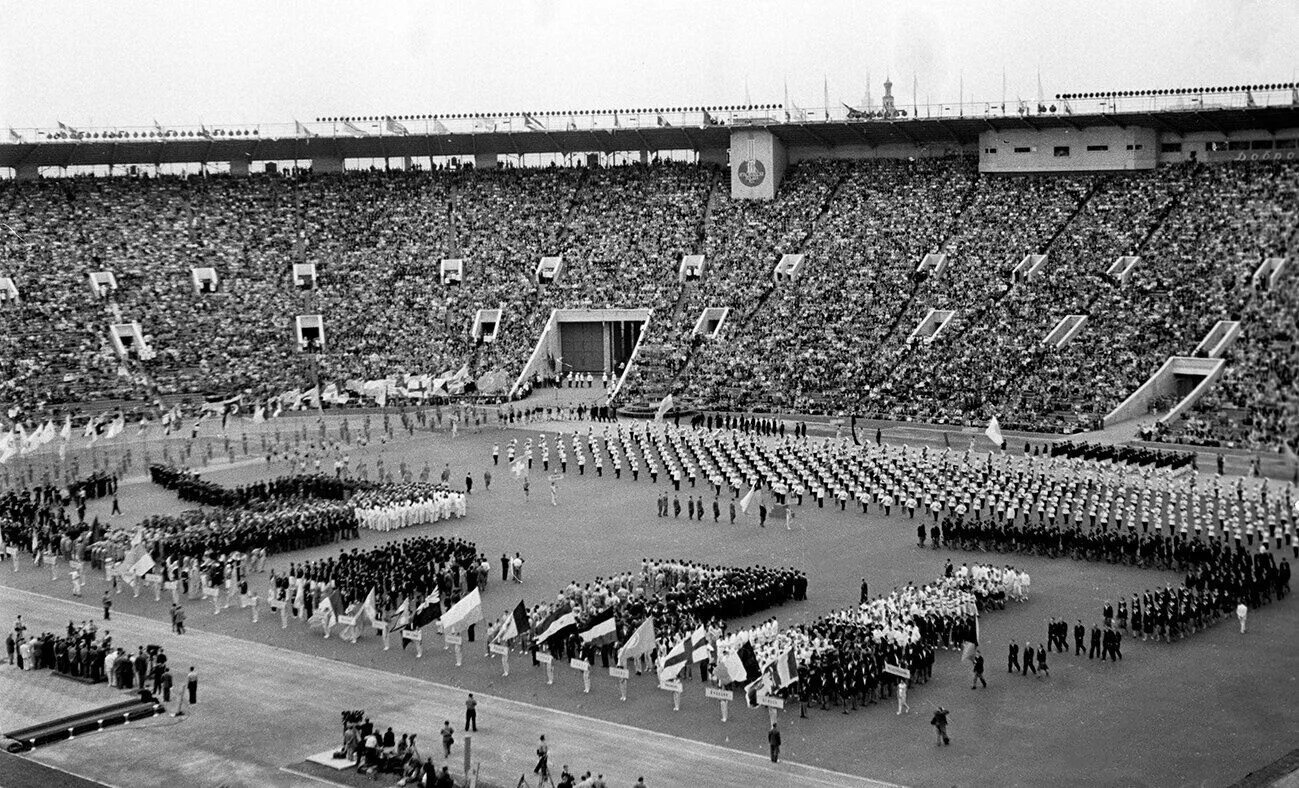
{"points": [[719, 694], [896, 670]]}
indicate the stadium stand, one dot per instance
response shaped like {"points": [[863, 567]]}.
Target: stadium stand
{"points": [[837, 340]]}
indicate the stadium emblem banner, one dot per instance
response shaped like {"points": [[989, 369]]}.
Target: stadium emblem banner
{"points": [[752, 173]]}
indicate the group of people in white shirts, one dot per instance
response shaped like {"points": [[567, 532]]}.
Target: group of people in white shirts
{"points": [[404, 505]]}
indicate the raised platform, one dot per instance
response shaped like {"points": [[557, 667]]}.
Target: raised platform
{"points": [[72, 725]]}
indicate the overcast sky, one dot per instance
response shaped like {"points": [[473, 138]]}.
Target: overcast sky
{"points": [[129, 62]]}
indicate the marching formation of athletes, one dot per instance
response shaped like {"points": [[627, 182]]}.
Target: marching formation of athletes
{"points": [[673, 619]]}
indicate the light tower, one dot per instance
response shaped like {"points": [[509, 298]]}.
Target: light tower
{"points": [[889, 109]]}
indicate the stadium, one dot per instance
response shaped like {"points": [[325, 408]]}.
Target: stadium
{"points": [[724, 443]]}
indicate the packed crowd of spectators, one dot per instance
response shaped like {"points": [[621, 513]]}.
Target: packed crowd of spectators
{"points": [[1253, 405], [835, 341]]}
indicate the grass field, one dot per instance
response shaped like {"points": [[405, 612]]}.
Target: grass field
{"points": [[1205, 711]]}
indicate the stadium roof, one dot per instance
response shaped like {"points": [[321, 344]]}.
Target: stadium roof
{"points": [[871, 132]]}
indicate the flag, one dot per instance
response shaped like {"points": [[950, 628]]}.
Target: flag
{"points": [[782, 671], [748, 658], [330, 394], [426, 613], [663, 122], [519, 467], [327, 611], [393, 127], [300, 130], [465, 613], [353, 130], [142, 565], [312, 397], [368, 608], [665, 405], [640, 644], [400, 617], [531, 122], [515, 625], [601, 629], [259, 415], [15, 136], [137, 560], [559, 619], [994, 432], [115, 427], [675, 661], [730, 663], [68, 129], [750, 498], [699, 646], [439, 128]]}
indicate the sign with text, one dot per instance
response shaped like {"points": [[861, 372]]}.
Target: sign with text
{"points": [[454, 640], [897, 670], [771, 702], [544, 658], [579, 664], [719, 694], [671, 685], [499, 649], [619, 673]]}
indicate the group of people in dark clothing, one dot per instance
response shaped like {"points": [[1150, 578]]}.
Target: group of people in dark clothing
{"points": [[414, 568]]}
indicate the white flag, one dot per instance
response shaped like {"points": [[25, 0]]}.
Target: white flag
{"points": [[665, 405], [994, 432]]}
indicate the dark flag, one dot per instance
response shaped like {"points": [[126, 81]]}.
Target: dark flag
{"points": [[749, 658]]}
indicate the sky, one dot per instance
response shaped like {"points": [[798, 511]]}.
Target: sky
{"points": [[134, 62]]}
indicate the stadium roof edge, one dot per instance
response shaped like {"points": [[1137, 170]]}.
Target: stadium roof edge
{"points": [[945, 131]]}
